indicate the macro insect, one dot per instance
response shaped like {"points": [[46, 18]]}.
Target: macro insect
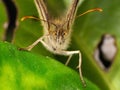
{"points": [[57, 32]]}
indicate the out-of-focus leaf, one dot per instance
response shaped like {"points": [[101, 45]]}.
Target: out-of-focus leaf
{"points": [[3, 19], [88, 30]]}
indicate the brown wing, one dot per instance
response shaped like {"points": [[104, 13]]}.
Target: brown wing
{"points": [[71, 14], [43, 13]]}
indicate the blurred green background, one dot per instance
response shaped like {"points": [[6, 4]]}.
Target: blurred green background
{"points": [[87, 32]]}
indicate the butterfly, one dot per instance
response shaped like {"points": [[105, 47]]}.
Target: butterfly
{"points": [[57, 32]]}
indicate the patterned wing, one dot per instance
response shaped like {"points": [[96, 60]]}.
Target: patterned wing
{"points": [[71, 14], [43, 13]]}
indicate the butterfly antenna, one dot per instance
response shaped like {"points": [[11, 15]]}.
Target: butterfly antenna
{"points": [[91, 10], [32, 17]]}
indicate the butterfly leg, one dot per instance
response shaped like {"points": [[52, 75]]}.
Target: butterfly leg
{"points": [[70, 53], [36, 42], [68, 60], [33, 44]]}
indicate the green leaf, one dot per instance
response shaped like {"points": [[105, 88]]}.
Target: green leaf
{"points": [[87, 32], [21, 70]]}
